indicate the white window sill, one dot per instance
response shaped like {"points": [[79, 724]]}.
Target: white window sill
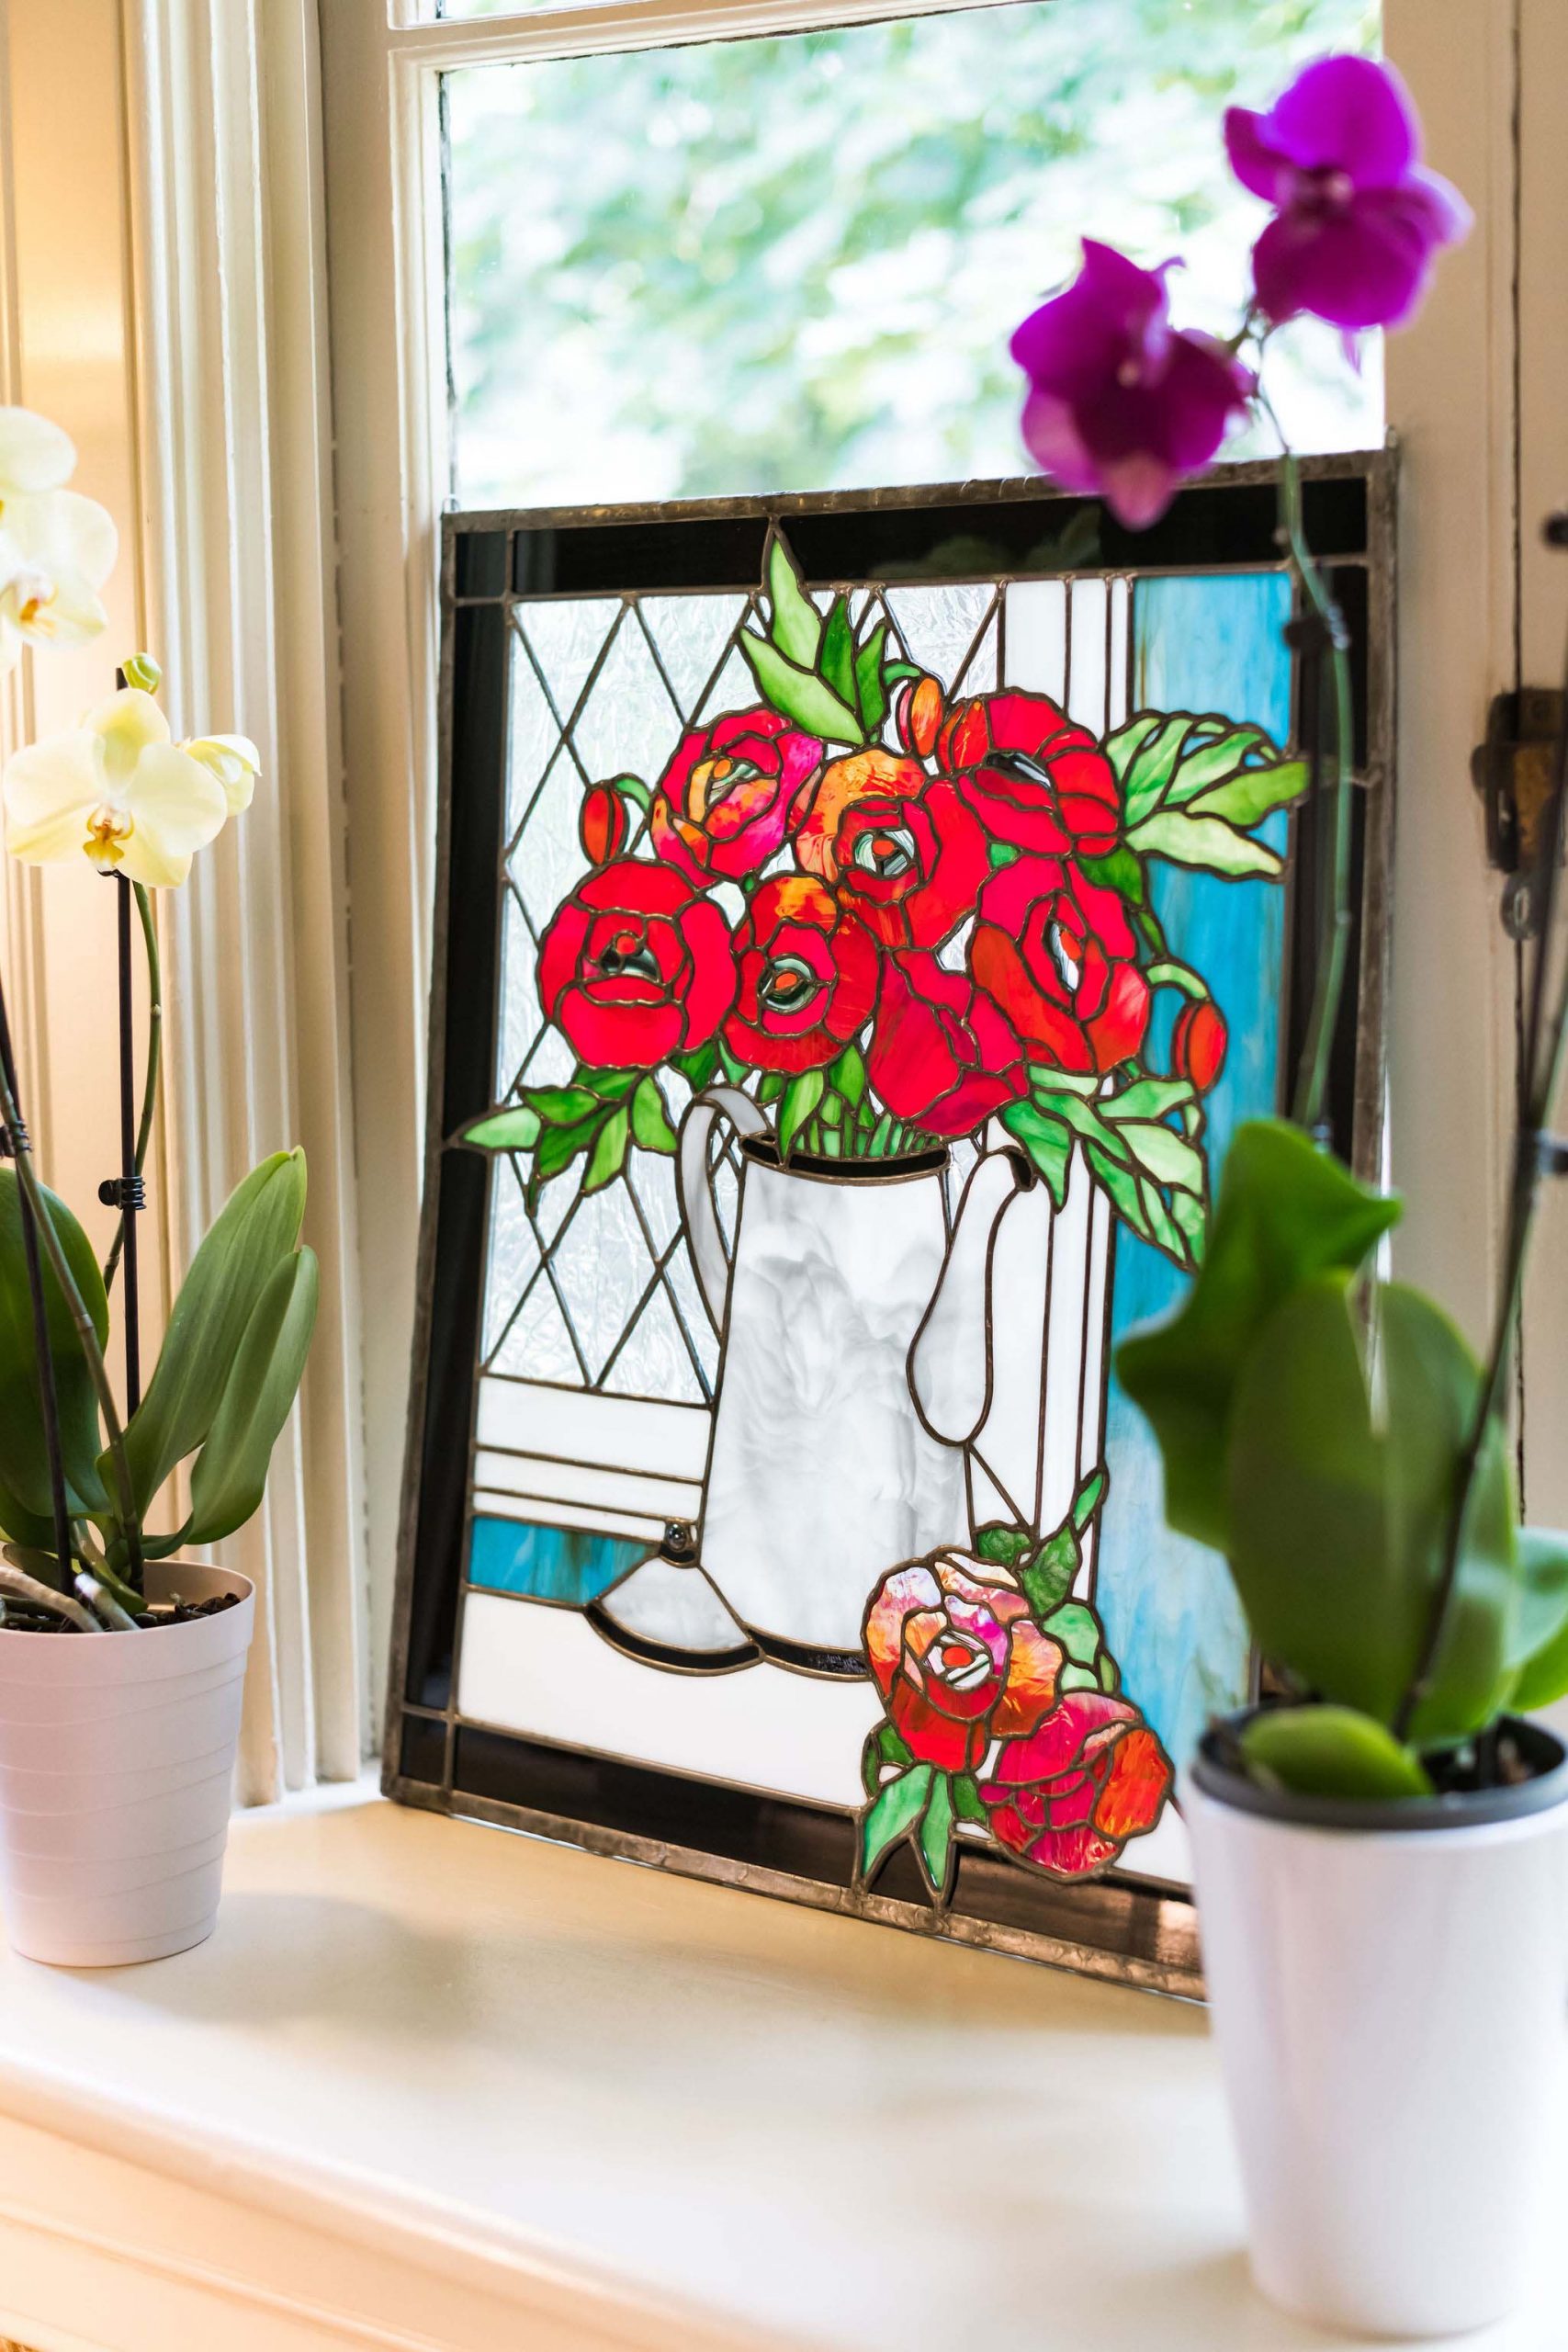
{"points": [[431, 2086]]}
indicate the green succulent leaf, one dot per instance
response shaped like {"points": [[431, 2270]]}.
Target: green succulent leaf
{"points": [[229, 1476], [24, 1463], [258, 1227], [891, 1816], [795, 623], [1330, 1752], [1285, 1214]]}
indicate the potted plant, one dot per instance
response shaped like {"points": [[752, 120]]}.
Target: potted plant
{"points": [[117, 1755], [1380, 1845]]}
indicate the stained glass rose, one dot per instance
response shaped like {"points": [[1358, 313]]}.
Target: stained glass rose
{"points": [[1068, 1795], [806, 977], [1055, 950], [897, 845], [732, 795], [1198, 1042], [942, 1056], [635, 965], [1032, 777], [958, 1659]]}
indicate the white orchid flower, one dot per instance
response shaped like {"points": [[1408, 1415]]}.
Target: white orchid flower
{"points": [[57, 548], [234, 760], [116, 791]]}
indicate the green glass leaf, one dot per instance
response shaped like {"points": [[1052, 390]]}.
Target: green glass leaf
{"points": [[515, 1130], [1286, 1213], [24, 1462], [1092, 1493], [1074, 1676], [559, 1147], [606, 1085], [632, 787], [1002, 1545], [1169, 1157], [771, 1086], [650, 1118], [561, 1106], [891, 1815], [1048, 1142], [1204, 841], [795, 623], [1121, 869], [1253, 794], [967, 1802], [837, 662], [1148, 1098], [934, 1843], [847, 1076], [1049, 1577], [870, 691], [1539, 1645], [1001, 855], [1148, 775], [1073, 1111], [608, 1156], [735, 1069], [799, 1100], [1330, 1752], [1166, 1234], [1215, 751], [229, 1476], [1078, 1630], [1122, 747], [1124, 1187], [259, 1226], [697, 1066], [799, 695]]}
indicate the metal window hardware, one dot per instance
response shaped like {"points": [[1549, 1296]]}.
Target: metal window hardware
{"points": [[1513, 773]]}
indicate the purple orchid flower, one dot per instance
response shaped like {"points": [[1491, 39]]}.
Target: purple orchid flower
{"points": [[1122, 403], [1356, 218]]}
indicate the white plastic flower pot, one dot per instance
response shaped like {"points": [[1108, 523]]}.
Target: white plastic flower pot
{"points": [[1388, 1987], [116, 1766]]}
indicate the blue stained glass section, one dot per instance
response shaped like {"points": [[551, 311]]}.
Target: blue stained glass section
{"points": [[548, 1562], [1170, 1615]]}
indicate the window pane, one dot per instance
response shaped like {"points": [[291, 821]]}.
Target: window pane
{"points": [[794, 263]]}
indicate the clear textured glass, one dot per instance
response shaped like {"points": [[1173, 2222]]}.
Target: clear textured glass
{"points": [[795, 263]]}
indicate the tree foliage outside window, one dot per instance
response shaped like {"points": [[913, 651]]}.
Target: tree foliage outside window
{"points": [[793, 263]]}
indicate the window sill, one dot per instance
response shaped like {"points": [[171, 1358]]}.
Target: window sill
{"points": [[434, 2087]]}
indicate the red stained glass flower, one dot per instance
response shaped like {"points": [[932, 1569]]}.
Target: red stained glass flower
{"points": [[1032, 777], [1055, 951], [732, 795], [1068, 1795], [601, 824], [897, 844], [1198, 1043], [942, 1056], [635, 966], [807, 976], [958, 1659]]}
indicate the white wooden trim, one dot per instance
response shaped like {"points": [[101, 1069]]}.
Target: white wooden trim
{"points": [[228, 266], [638, 24]]}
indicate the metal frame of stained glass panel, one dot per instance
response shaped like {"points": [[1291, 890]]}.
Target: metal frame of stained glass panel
{"points": [[507, 581]]}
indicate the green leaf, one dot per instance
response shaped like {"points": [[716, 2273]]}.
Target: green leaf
{"points": [[1337, 1522], [967, 1802], [1090, 1495], [1047, 1141], [1253, 794], [1205, 842], [1084, 1119], [1049, 1577], [891, 1815], [1330, 1752], [1148, 1098], [838, 662], [1539, 1647], [871, 692], [1075, 1677], [650, 1118], [799, 1100], [1078, 1630], [1121, 869], [800, 695], [561, 1106], [832, 1111], [796, 625], [606, 1085], [516, 1130], [258, 1227], [1216, 749], [1001, 1545], [697, 1066], [934, 1844], [559, 1147], [847, 1076], [1148, 778], [229, 1476], [886, 1750], [1286, 1213], [632, 787], [1122, 747], [24, 1526], [1169, 1157], [1126, 1194], [24, 1463], [771, 1086], [735, 1069], [608, 1156], [1001, 855]]}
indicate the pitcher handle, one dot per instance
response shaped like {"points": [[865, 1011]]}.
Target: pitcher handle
{"points": [[951, 1355], [704, 1238]]}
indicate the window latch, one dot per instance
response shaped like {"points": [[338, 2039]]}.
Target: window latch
{"points": [[1513, 773]]}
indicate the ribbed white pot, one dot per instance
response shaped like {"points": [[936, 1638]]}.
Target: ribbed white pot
{"points": [[1389, 2005], [116, 1766]]}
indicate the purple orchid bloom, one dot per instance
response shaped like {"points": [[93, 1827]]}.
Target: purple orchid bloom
{"points": [[1356, 218], [1122, 403]]}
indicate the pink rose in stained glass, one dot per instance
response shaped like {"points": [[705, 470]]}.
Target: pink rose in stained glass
{"points": [[635, 966], [1033, 776], [1055, 951], [958, 1659], [1121, 403], [732, 795], [806, 977], [897, 845], [1068, 1795], [1357, 220], [943, 1056]]}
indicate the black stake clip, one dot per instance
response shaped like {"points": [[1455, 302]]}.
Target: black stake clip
{"points": [[14, 1142], [123, 1193]]}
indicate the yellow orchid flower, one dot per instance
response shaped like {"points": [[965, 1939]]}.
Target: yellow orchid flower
{"points": [[116, 791], [233, 760], [57, 548]]}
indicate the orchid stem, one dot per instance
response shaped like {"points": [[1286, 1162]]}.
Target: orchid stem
{"points": [[153, 1063]]}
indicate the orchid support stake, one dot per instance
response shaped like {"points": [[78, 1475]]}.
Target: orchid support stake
{"points": [[18, 1146], [153, 1062]]}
